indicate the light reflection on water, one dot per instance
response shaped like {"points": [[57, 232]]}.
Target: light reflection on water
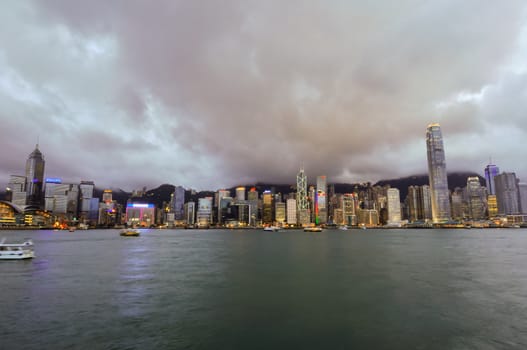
{"points": [[254, 289]]}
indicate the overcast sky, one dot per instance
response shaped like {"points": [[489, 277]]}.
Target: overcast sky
{"points": [[210, 94]]}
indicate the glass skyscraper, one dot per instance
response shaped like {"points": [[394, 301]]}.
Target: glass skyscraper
{"points": [[437, 174], [490, 172], [35, 177]]}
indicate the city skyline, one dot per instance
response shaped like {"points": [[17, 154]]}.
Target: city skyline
{"points": [[342, 89]]}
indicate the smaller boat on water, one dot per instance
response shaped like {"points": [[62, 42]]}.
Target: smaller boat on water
{"points": [[343, 227], [129, 233], [16, 251], [312, 229], [272, 228]]}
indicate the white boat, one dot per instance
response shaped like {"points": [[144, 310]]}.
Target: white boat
{"points": [[16, 251], [343, 227], [272, 228]]}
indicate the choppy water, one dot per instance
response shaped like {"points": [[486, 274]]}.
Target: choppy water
{"points": [[220, 289]]}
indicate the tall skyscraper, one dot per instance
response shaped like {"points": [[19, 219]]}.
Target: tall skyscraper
{"points": [[507, 193], [437, 174], [321, 200], [35, 177], [490, 172], [302, 205]]}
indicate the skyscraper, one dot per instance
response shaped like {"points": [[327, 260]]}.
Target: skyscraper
{"points": [[437, 174], [34, 177], [302, 205], [321, 215], [394, 206], [490, 172], [507, 193]]}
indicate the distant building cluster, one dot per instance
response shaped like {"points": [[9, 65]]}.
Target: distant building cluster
{"points": [[33, 200]]}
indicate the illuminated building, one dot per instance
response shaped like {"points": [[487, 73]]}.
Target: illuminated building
{"points": [[267, 207], [140, 214], [302, 205], [204, 213], [291, 211], [321, 208], [280, 212], [35, 177], [190, 213], [393, 206], [490, 172], [253, 195], [412, 203], [507, 193], [424, 201], [437, 174], [475, 198], [349, 206], [492, 206], [240, 193]]}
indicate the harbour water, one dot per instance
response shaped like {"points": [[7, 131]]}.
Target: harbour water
{"points": [[250, 289]]}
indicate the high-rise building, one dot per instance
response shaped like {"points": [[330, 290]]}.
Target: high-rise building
{"points": [[178, 200], [204, 214], [267, 207], [394, 206], [240, 193], [190, 213], [17, 189], [475, 197], [321, 202], [280, 212], [302, 205], [412, 203], [523, 197], [291, 211], [490, 172], [35, 177], [507, 193], [437, 174], [492, 205]]}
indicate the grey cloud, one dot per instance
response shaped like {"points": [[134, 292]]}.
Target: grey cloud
{"points": [[218, 93]]}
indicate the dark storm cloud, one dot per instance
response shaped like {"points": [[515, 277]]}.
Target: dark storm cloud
{"points": [[210, 94]]}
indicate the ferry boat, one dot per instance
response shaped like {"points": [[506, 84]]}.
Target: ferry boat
{"points": [[129, 233], [272, 228], [312, 229], [16, 251]]}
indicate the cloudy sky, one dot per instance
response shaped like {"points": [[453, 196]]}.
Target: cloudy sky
{"points": [[209, 94]]}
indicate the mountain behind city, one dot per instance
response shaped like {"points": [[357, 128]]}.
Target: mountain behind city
{"points": [[162, 193]]}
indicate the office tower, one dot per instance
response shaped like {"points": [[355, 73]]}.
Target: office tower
{"points": [[240, 193], [492, 205], [280, 212], [302, 205], [349, 209], [321, 205], [140, 214], [394, 206], [225, 210], [35, 177], [291, 211], [475, 197], [190, 213], [490, 172], [458, 206], [204, 214], [523, 197], [178, 200], [107, 196], [507, 193], [17, 189], [412, 203], [437, 174], [252, 195], [425, 203], [267, 207]]}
